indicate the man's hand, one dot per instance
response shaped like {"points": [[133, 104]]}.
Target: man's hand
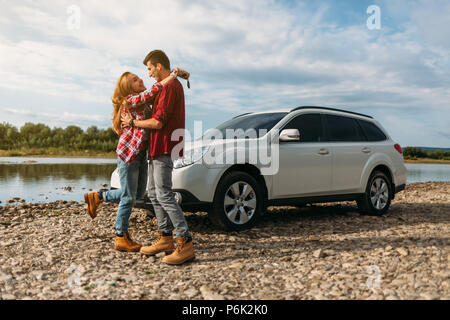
{"points": [[126, 118]]}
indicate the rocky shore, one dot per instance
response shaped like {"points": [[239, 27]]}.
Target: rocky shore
{"points": [[324, 251]]}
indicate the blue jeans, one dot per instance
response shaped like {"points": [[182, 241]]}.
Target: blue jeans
{"points": [[133, 184]]}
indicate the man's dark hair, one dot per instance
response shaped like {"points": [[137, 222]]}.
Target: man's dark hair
{"points": [[158, 56]]}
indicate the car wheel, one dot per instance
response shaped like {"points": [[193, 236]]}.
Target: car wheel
{"points": [[238, 202], [377, 198]]}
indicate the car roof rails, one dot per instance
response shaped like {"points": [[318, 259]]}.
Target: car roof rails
{"points": [[243, 115], [332, 109]]}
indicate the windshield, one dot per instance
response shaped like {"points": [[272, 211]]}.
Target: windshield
{"points": [[250, 125]]}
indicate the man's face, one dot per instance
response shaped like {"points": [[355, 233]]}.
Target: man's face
{"points": [[154, 71]]}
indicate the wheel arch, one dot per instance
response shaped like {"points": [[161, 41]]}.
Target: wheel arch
{"points": [[385, 169], [251, 170]]}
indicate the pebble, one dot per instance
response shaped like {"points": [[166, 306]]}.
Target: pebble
{"points": [[190, 293], [402, 251], [318, 253], [208, 294]]}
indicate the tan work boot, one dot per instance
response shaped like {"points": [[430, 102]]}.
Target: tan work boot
{"points": [[183, 253], [125, 243], [163, 243], [93, 202]]}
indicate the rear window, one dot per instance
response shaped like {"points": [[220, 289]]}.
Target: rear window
{"points": [[372, 132], [343, 129]]}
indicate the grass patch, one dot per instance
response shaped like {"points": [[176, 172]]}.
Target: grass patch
{"points": [[152, 272], [426, 160], [55, 152], [90, 287]]}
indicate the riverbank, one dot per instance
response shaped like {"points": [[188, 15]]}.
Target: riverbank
{"points": [[427, 161], [60, 153], [56, 153], [326, 251]]}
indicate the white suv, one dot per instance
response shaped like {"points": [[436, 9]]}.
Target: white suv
{"points": [[323, 155]]}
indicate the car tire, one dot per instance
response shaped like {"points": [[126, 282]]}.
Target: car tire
{"points": [[238, 202], [377, 198]]}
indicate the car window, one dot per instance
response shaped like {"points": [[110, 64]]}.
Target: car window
{"points": [[261, 121], [343, 129], [309, 125], [373, 133]]}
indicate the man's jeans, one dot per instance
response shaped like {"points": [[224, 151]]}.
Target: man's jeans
{"points": [[168, 212], [133, 184]]}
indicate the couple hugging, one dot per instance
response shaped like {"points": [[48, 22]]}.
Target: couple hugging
{"points": [[146, 134]]}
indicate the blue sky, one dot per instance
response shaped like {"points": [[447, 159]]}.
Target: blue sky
{"points": [[244, 56]]}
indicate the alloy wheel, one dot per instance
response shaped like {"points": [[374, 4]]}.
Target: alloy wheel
{"points": [[240, 203]]}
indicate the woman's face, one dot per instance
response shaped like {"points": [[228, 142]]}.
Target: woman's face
{"points": [[137, 85]]}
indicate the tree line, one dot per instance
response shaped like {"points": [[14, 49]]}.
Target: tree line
{"points": [[39, 135], [74, 138], [417, 152]]}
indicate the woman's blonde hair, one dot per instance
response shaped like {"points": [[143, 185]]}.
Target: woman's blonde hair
{"points": [[122, 90]]}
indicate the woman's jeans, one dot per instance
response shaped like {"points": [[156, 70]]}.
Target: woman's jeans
{"points": [[133, 184]]}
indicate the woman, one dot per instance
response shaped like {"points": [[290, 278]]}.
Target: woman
{"points": [[130, 95]]}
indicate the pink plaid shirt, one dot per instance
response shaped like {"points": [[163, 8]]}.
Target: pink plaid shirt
{"points": [[131, 140]]}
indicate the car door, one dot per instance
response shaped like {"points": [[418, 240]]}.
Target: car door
{"points": [[350, 152], [305, 165]]}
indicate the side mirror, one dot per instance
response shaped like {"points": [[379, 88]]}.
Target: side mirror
{"points": [[289, 135]]}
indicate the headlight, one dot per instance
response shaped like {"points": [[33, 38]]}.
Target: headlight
{"points": [[190, 157]]}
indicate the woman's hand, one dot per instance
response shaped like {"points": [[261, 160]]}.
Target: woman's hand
{"points": [[126, 118], [181, 73]]}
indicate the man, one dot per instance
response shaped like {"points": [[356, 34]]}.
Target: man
{"points": [[168, 115]]}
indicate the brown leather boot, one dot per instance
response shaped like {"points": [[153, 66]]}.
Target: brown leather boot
{"points": [[93, 202], [184, 252], [125, 243], [163, 243]]}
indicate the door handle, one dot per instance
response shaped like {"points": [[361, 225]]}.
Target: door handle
{"points": [[366, 150], [324, 152]]}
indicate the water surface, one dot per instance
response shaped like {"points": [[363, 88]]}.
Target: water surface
{"points": [[47, 179]]}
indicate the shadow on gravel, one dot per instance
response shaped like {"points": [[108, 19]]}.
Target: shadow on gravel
{"points": [[322, 220], [274, 248], [333, 219]]}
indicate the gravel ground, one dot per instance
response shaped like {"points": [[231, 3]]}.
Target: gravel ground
{"points": [[325, 251]]}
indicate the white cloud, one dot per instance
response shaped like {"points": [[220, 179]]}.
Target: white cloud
{"points": [[59, 119]]}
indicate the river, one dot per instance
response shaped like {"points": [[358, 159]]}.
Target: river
{"points": [[51, 179]]}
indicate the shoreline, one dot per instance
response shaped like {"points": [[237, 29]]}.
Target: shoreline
{"points": [[56, 154], [60, 153], [427, 161]]}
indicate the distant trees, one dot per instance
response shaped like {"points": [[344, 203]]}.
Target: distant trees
{"points": [[8, 135], [71, 138], [416, 152]]}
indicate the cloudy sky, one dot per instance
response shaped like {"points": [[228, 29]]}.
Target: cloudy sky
{"points": [[59, 60]]}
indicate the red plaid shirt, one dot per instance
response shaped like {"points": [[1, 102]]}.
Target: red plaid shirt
{"points": [[169, 108], [131, 139]]}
